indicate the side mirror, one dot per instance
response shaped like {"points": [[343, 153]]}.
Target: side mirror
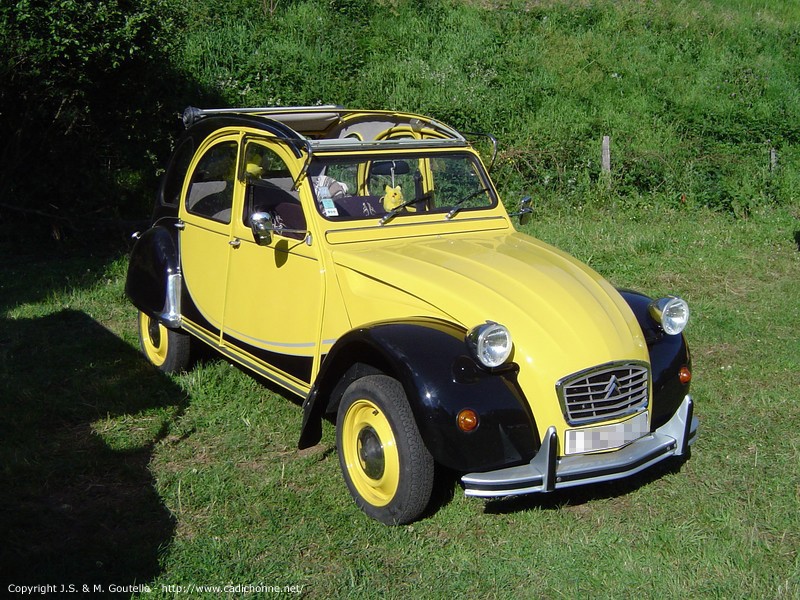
{"points": [[525, 211], [261, 226]]}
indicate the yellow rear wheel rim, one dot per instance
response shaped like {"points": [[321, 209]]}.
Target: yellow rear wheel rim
{"points": [[154, 340], [370, 453]]}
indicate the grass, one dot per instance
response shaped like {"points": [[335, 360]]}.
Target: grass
{"points": [[115, 474]]}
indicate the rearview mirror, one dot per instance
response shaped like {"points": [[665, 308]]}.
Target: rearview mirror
{"points": [[261, 226], [389, 167], [525, 211]]}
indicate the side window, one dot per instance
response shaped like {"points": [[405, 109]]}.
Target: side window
{"points": [[176, 172], [210, 192], [269, 189]]}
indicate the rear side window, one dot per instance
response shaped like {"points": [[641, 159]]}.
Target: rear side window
{"points": [[210, 191], [176, 172]]}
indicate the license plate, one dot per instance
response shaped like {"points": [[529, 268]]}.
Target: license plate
{"points": [[607, 437]]}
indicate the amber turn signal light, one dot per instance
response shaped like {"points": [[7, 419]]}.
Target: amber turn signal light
{"points": [[467, 420], [685, 375]]}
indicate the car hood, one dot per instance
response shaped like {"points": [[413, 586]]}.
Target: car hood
{"points": [[563, 316]]}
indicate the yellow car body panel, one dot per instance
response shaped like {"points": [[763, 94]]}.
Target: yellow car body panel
{"points": [[563, 316], [205, 263]]}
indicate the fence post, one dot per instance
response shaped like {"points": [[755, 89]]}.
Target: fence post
{"points": [[773, 159], [606, 156], [605, 162]]}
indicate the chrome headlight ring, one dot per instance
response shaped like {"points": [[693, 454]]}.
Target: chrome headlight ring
{"points": [[671, 312], [490, 343]]}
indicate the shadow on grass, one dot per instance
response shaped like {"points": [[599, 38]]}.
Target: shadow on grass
{"points": [[82, 413], [31, 274], [578, 496]]}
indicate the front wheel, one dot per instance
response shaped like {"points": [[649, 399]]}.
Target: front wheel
{"points": [[167, 349], [385, 463]]}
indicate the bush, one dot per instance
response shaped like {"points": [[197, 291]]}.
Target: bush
{"points": [[80, 89]]}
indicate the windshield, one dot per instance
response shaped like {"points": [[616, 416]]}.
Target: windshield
{"points": [[363, 187]]}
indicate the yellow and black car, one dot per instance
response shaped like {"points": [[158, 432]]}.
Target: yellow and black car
{"points": [[363, 260]]}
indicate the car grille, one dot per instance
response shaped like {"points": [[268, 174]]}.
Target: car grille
{"points": [[605, 392]]}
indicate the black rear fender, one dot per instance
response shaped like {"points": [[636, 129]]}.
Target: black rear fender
{"points": [[154, 282]]}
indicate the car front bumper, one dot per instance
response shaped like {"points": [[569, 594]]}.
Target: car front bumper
{"points": [[547, 472]]}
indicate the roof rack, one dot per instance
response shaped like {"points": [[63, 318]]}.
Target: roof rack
{"points": [[318, 121], [192, 114], [335, 145]]}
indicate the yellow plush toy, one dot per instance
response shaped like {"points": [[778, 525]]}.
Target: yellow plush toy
{"points": [[392, 198], [254, 167]]}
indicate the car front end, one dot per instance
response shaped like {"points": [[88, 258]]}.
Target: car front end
{"points": [[600, 376]]}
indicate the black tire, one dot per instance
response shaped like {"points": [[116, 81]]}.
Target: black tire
{"points": [[385, 463], [167, 349]]}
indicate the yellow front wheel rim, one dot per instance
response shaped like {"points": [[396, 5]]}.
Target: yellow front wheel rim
{"points": [[370, 453], [154, 340]]}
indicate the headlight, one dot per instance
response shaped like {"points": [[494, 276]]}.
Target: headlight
{"points": [[490, 343], [671, 313]]}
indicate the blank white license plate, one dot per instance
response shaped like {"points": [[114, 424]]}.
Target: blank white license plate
{"points": [[607, 437]]}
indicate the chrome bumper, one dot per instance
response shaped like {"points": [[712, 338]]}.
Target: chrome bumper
{"points": [[546, 472]]}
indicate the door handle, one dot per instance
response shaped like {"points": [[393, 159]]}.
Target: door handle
{"points": [[235, 242]]}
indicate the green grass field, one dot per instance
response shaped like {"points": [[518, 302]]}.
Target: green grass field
{"points": [[115, 474]]}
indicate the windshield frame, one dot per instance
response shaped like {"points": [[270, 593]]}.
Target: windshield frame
{"points": [[372, 207]]}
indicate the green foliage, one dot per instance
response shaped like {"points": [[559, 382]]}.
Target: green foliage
{"points": [[360, 11], [78, 80], [84, 37], [693, 97]]}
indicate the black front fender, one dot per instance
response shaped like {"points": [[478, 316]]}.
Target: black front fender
{"points": [[668, 353], [153, 282], [431, 360]]}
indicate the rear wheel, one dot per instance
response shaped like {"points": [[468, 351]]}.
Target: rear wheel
{"points": [[167, 349], [385, 463]]}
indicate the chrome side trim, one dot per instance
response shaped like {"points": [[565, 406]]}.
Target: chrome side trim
{"points": [[251, 364], [171, 316], [546, 472]]}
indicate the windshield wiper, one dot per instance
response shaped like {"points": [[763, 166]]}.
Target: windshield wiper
{"points": [[396, 210], [458, 203]]}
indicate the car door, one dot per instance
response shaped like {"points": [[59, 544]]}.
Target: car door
{"points": [[275, 292], [206, 234]]}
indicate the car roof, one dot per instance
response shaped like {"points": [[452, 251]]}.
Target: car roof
{"points": [[333, 128]]}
